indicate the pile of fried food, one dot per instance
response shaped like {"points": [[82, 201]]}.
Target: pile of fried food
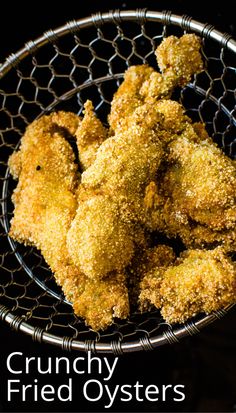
{"points": [[151, 171]]}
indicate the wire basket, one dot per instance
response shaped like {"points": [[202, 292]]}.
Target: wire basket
{"points": [[86, 59]]}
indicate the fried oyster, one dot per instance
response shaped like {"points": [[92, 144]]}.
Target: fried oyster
{"points": [[45, 204]]}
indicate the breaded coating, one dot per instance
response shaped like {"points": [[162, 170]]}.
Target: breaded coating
{"points": [[177, 58], [154, 170], [48, 179], [149, 290], [99, 302], [194, 195], [175, 121], [127, 98], [110, 200], [200, 281], [97, 237], [144, 261], [45, 203], [153, 257], [89, 135], [200, 186], [103, 300], [67, 120], [125, 165]]}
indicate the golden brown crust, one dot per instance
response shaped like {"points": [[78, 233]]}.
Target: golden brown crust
{"points": [[208, 283], [127, 98], [200, 185], [106, 219], [179, 58], [101, 237], [102, 301], [193, 196], [157, 171], [150, 269], [45, 203], [144, 261], [47, 182]]}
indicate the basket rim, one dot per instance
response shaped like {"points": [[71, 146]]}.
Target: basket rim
{"points": [[169, 336], [117, 16]]}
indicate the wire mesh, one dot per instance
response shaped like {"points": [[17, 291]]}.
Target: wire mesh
{"points": [[84, 60]]}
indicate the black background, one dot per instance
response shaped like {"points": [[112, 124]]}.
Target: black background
{"points": [[205, 364]]}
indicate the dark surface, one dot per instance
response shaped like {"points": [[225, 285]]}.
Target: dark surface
{"points": [[206, 363]]}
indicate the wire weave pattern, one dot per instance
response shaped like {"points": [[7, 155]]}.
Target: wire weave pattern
{"points": [[86, 59]]}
